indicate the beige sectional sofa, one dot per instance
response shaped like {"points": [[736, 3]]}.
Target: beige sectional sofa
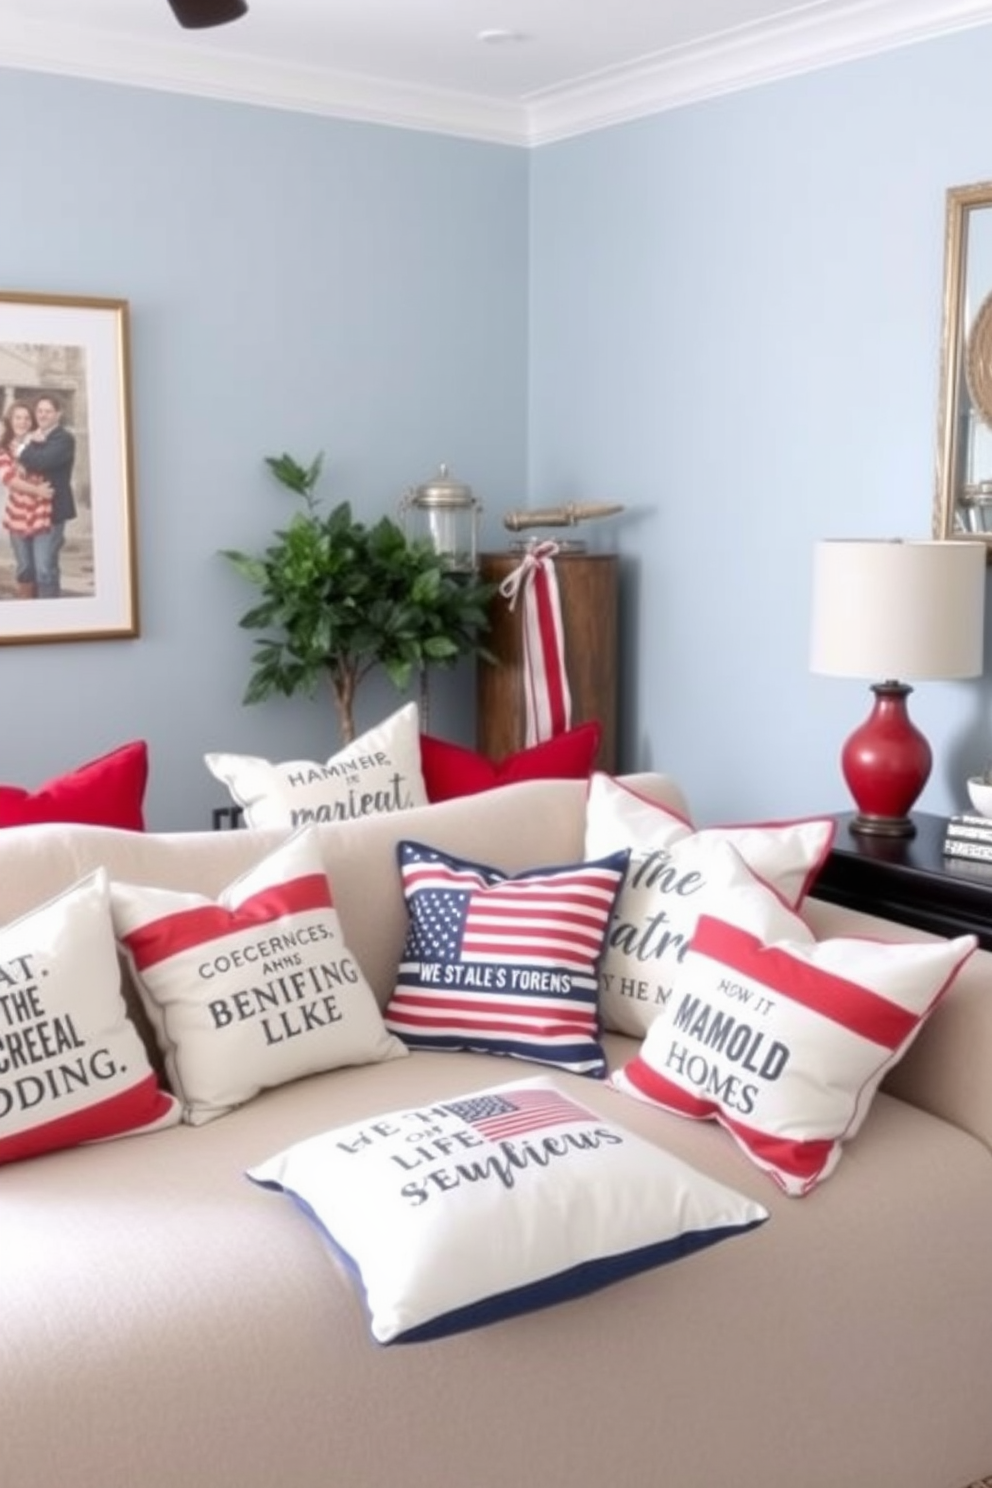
{"points": [[165, 1323]]}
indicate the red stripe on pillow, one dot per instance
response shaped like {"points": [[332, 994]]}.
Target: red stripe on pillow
{"points": [[803, 1158], [654, 1087], [468, 1028], [409, 1008], [174, 933], [141, 1105], [854, 1007]]}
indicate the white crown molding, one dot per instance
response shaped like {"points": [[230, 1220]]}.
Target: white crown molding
{"points": [[730, 61], [71, 51], [746, 57]]}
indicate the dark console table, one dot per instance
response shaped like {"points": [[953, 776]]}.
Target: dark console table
{"points": [[908, 879]]}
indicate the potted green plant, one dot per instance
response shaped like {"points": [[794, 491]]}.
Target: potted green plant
{"points": [[340, 598]]}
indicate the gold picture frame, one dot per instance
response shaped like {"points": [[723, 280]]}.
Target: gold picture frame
{"points": [[67, 508], [962, 507]]}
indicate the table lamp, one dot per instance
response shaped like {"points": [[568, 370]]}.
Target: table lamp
{"points": [[900, 611]]}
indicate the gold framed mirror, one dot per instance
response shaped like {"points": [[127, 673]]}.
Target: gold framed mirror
{"points": [[963, 496]]}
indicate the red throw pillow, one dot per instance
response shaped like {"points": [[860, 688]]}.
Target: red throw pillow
{"points": [[450, 770], [105, 792]]}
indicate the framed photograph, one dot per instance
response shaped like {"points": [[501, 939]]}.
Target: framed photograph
{"points": [[67, 539]]}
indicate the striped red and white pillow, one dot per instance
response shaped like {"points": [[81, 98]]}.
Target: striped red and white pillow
{"points": [[253, 989], [779, 1037], [72, 1066], [504, 964]]}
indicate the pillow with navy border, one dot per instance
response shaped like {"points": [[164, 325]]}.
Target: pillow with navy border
{"points": [[504, 963], [521, 1197]]}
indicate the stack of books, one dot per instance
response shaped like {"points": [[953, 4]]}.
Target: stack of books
{"points": [[969, 837]]}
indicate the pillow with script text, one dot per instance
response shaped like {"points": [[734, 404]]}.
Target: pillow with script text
{"points": [[495, 1203], [781, 1038], [504, 964], [72, 1067], [669, 867], [379, 772], [254, 989]]}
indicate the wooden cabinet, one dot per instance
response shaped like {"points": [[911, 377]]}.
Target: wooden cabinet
{"points": [[589, 591]]}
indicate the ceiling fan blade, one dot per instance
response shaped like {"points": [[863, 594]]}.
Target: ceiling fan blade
{"points": [[197, 14]]}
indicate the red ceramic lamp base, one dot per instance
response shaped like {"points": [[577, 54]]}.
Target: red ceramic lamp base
{"points": [[886, 763]]}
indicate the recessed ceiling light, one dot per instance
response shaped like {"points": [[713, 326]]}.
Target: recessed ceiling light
{"points": [[495, 34]]}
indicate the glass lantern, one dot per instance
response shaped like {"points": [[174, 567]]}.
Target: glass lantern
{"points": [[446, 514]]}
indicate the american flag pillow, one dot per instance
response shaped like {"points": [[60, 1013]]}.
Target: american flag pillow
{"points": [[462, 1211], [781, 1038], [504, 964]]}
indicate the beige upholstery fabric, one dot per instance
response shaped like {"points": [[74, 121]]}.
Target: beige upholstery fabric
{"points": [[948, 1070], [545, 826], [166, 1324]]}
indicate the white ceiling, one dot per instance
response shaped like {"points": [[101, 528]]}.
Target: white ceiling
{"points": [[554, 68]]}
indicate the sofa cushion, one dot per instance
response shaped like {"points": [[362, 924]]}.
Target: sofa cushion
{"points": [[104, 792], [497, 1202], [252, 989], [72, 1067], [503, 964], [451, 770], [380, 771], [669, 870], [781, 1038]]}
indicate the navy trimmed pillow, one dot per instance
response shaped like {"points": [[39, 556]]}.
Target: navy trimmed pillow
{"points": [[518, 1197], [504, 964]]}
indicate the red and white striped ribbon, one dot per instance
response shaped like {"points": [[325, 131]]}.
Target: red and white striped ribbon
{"points": [[546, 693]]}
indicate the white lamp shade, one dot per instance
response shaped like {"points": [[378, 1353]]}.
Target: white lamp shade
{"points": [[898, 610]]}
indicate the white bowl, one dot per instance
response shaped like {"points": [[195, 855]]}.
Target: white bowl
{"points": [[980, 792]]}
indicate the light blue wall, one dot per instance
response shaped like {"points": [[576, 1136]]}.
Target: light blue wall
{"points": [[735, 330], [296, 284], [729, 316]]}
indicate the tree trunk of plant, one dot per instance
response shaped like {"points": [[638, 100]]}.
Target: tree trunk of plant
{"points": [[343, 684]]}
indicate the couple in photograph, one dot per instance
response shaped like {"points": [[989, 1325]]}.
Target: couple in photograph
{"points": [[37, 454]]}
